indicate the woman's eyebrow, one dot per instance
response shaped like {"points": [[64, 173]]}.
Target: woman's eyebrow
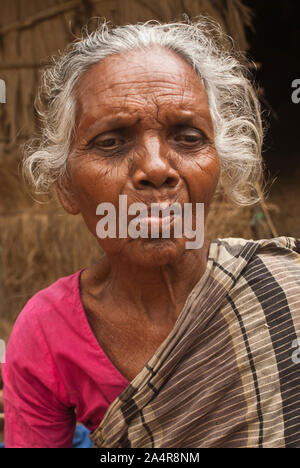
{"points": [[177, 119], [92, 127], [190, 118]]}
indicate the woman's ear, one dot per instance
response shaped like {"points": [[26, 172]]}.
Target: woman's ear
{"points": [[66, 196]]}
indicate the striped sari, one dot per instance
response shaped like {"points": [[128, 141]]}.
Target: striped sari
{"points": [[228, 374]]}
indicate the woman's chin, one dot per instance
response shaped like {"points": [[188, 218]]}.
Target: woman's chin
{"points": [[156, 252], [145, 252]]}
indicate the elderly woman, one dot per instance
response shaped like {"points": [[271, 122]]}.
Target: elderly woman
{"points": [[157, 344]]}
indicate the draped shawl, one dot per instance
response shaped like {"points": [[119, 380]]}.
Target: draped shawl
{"points": [[228, 374]]}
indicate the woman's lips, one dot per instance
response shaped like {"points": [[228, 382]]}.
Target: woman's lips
{"points": [[156, 223]]}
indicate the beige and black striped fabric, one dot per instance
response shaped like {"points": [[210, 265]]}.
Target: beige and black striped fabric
{"points": [[228, 375]]}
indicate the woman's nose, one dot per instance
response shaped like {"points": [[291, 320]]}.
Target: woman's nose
{"points": [[153, 168]]}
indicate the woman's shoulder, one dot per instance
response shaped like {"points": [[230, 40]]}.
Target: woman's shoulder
{"points": [[279, 257], [260, 276], [237, 260], [42, 328], [280, 244], [273, 247], [60, 294], [48, 306]]}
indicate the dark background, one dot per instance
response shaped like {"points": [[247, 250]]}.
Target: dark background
{"points": [[276, 45]]}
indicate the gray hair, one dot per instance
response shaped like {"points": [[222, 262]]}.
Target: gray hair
{"points": [[233, 103]]}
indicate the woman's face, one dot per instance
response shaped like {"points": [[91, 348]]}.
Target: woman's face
{"points": [[143, 129]]}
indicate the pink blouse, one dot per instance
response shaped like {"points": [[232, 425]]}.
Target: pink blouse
{"points": [[55, 372]]}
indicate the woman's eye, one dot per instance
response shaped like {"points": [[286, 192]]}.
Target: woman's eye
{"points": [[189, 139], [108, 143]]}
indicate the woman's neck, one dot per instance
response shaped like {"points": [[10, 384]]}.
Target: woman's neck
{"points": [[145, 292]]}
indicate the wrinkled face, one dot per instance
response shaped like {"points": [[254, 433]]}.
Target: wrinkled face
{"points": [[143, 130]]}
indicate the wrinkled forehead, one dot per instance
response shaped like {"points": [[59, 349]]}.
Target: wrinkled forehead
{"points": [[152, 79]]}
